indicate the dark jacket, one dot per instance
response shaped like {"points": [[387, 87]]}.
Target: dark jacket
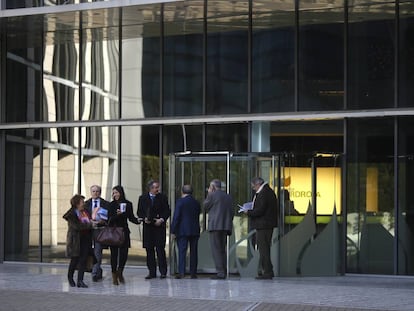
{"points": [[75, 230], [153, 235], [102, 203], [219, 206], [264, 214], [121, 220], [186, 220]]}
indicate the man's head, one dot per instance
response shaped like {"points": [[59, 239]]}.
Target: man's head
{"points": [[187, 190], [154, 187], [215, 185], [95, 191], [256, 183]]}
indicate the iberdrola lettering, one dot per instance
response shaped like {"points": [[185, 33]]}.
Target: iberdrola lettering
{"points": [[302, 193]]}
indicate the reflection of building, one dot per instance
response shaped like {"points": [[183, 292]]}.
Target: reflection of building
{"points": [[103, 91]]}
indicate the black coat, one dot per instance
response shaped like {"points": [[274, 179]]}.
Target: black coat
{"points": [[153, 235], [264, 214], [121, 220]]}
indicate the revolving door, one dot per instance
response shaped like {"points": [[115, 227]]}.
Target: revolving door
{"points": [[295, 180]]}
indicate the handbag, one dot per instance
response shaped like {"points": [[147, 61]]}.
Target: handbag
{"points": [[112, 236]]}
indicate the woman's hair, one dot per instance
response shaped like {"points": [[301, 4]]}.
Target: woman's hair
{"points": [[76, 199], [121, 191]]}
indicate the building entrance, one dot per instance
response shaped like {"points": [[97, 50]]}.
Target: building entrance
{"points": [[308, 187]]}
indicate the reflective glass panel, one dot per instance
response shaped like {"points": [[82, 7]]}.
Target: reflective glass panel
{"points": [[61, 76], [371, 56], [183, 59], [22, 209], [405, 197], [406, 56], [227, 57], [140, 62], [100, 71], [370, 196], [321, 55], [23, 63], [273, 56]]}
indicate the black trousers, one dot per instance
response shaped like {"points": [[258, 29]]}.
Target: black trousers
{"points": [[119, 256], [264, 242], [152, 263], [80, 261]]}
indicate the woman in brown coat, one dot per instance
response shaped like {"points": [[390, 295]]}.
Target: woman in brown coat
{"points": [[78, 238]]}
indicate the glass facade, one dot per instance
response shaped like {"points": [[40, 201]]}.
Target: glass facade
{"points": [[314, 95]]}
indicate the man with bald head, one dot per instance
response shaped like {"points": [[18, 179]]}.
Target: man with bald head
{"points": [[219, 206]]}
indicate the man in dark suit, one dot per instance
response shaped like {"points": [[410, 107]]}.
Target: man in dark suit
{"points": [[98, 210], [263, 218], [185, 227], [153, 208], [219, 206]]}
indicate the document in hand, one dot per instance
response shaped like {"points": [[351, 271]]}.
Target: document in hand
{"points": [[103, 214], [245, 207]]}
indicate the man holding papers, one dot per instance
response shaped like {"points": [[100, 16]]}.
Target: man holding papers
{"points": [[263, 217]]}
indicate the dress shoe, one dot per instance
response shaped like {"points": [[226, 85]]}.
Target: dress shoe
{"points": [[179, 276], [193, 276], [218, 277], [163, 276], [149, 277], [264, 277], [81, 284], [71, 282]]}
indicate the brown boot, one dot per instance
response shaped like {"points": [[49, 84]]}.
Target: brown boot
{"points": [[115, 278], [120, 276]]}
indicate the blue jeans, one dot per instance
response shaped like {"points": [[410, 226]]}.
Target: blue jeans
{"points": [[97, 250]]}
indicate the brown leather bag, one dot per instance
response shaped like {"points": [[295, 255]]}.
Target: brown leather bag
{"points": [[112, 236]]}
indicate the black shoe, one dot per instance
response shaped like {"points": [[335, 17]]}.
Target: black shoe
{"points": [[193, 276], [218, 277], [264, 277], [81, 284], [163, 276], [95, 278], [179, 276], [149, 277], [71, 282]]}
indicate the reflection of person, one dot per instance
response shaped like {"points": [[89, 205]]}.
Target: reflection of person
{"points": [[120, 210], [185, 227], [289, 206], [263, 218], [154, 209], [219, 206], [98, 209], [78, 238]]}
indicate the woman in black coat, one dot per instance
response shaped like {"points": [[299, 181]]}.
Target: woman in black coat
{"points": [[120, 210], [78, 238]]}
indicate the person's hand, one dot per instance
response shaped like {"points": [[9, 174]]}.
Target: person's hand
{"points": [[158, 222], [118, 211], [147, 221], [173, 237], [140, 220]]}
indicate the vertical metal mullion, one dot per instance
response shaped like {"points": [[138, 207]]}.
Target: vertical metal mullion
{"points": [[296, 55], [250, 57], [396, 196], [79, 128], [160, 135], [204, 108], [346, 41], [120, 62], [396, 137], [41, 158], [344, 209], [3, 62]]}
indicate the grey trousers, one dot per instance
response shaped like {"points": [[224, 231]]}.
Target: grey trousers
{"points": [[218, 251]]}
